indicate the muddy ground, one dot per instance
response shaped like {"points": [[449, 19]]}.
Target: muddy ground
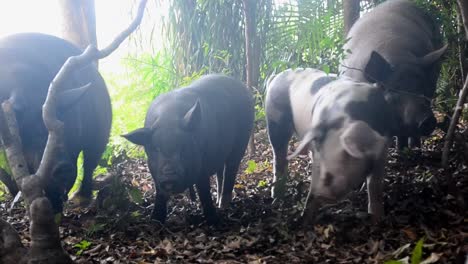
{"points": [[253, 230]]}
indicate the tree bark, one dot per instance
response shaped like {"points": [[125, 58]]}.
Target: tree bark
{"points": [[351, 9], [252, 53], [79, 22]]}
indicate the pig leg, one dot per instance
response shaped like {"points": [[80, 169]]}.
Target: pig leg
{"points": [[90, 163], [312, 203], [203, 188], [279, 135], [232, 166], [57, 189], [160, 207], [402, 142], [414, 142], [219, 184], [375, 190]]}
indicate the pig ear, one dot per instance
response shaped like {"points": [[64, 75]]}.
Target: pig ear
{"points": [[434, 56], [377, 69], [140, 136], [304, 143], [361, 141], [71, 97], [193, 117]]}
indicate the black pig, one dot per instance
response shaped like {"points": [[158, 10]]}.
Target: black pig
{"points": [[398, 46], [192, 133], [29, 62]]}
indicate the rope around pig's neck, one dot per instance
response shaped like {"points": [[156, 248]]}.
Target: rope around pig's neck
{"points": [[387, 88]]}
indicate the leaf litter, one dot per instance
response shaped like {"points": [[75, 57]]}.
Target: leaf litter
{"points": [[255, 230]]}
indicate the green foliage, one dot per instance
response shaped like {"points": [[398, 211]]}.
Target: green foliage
{"points": [[417, 252], [4, 162], [205, 36], [450, 80], [82, 246], [306, 34], [416, 255], [251, 167], [135, 195], [147, 76], [262, 184], [254, 167], [4, 165], [95, 228]]}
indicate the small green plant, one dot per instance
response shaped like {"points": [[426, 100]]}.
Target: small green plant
{"points": [[251, 167], [416, 255], [262, 184], [135, 214], [82, 246], [254, 167], [135, 194], [93, 229]]}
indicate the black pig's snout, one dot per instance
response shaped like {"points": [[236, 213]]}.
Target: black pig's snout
{"points": [[168, 170]]}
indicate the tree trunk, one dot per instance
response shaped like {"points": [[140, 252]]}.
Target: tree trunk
{"points": [[252, 53], [79, 22], [351, 9]]}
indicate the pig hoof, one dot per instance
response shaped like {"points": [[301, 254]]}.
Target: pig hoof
{"points": [[81, 200], [376, 219], [307, 219], [159, 217], [277, 193], [213, 220]]}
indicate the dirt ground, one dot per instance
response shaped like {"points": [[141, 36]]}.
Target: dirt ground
{"points": [[253, 230]]}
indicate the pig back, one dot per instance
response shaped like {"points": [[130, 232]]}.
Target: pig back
{"points": [[227, 114], [305, 85], [397, 29], [29, 62]]}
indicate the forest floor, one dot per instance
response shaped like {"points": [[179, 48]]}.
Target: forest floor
{"points": [[253, 230]]}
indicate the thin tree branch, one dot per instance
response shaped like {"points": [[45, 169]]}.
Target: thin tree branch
{"points": [[463, 9], [453, 124], [12, 142]]}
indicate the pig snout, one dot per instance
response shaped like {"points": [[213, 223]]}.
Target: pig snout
{"points": [[170, 180], [427, 125], [168, 170], [168, 186]]}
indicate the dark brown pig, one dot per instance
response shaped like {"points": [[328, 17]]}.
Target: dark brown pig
{"points": [[192, 133], [398, 46], [340, 121], [29, 62]]}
